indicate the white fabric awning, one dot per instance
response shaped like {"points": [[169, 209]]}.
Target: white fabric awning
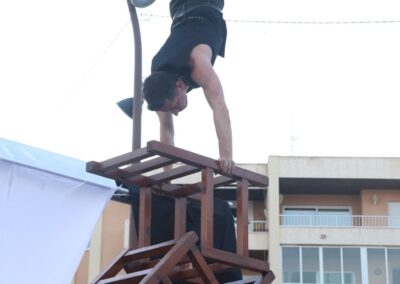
{"points": [[49, 206]]}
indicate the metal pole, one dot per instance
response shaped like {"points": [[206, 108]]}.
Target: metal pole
{"points": [[137, 93], [137, 105]]}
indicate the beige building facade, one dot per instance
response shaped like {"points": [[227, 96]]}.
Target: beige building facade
{"points": [[321, 220], [110, 237], [334, 220]]}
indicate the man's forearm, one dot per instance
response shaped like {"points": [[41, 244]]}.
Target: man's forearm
{"points": [[166, 136], [215, 97], [166, 128], [205, 76], [224, 132], [166, 131], [222, 122]]}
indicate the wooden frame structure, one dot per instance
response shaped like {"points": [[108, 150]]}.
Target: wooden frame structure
{"points": [[145, 168], [163, 262]]}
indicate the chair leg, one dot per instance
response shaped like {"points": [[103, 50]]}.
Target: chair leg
{"points": [[201, 265]]}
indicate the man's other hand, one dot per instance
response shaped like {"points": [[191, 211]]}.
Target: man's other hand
{"points": [[226, 165]]}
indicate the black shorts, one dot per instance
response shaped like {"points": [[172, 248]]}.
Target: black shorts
{"points": [[196, 28], [204, 25]]}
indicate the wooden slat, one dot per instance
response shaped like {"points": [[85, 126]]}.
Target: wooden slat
{"points": [[112, 174], [113, 268], [244, 262], [133, 236], [190, 189], [223, 180], [135, 266], [173, 256], [118, 161], [166, 280], [182, 191], [242, 215], [160, 178], [201, 265], [127, 278], [193, 273], [196, 280], [180, 217], [138, 180], [207, 209], [246, 281], [203, 162], [146, 166], [173, 174], [144, 217], [148, 251], [267, 278]]}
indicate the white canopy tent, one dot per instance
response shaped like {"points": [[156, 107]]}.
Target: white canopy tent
{"points": [[49, 206]]}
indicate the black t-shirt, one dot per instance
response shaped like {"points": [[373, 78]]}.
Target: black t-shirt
{"points": [[204, 25]]}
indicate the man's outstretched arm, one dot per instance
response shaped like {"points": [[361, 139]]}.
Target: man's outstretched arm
{"points": [[166, 127], [205, 76], [166, 130]]}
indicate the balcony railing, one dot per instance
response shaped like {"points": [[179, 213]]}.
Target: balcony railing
{"points": [[337, 221], [333, 221], [258, 226]]}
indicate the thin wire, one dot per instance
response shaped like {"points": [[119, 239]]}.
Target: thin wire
{"points": [[315, 22], [149, 15], [100, 57]]}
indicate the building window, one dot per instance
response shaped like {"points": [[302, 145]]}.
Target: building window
{"points": [[393, 256], [331, 266], [351, 265], [340, 265], [317, 217], [310, 261], [291, 264], [376, 265], [394, 214]]}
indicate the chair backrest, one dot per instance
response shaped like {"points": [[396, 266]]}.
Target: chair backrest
{"points": [[145, 168]]}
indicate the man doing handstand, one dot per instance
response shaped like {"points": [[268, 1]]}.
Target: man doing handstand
{"points": [[184, 62]]}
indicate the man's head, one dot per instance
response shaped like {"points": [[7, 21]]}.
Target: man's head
{"points": [[165, 91]]}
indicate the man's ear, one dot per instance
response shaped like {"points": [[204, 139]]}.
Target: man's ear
{"points": [[180, 84]]}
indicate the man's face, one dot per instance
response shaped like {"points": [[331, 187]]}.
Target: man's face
{"points": [[179, 102]]}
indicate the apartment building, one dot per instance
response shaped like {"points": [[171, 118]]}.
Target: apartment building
{"points": [[322, 220], [334, 220]]}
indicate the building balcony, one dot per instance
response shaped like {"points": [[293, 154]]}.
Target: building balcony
{"points": [[340, 221], [350, 230], [258, 235]]}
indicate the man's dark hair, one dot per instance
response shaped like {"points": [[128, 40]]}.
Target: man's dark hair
{"points": [[158, 87]]}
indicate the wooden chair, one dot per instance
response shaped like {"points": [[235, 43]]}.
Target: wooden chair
{"points": [[167, 262]]}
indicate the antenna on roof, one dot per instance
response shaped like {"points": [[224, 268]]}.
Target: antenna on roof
{"points": [[292, 137]]}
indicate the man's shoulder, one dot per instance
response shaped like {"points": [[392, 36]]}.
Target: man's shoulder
{"points": [[200, 53]]}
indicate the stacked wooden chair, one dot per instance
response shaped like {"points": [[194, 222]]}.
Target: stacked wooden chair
{"points": [[181, 259]]}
